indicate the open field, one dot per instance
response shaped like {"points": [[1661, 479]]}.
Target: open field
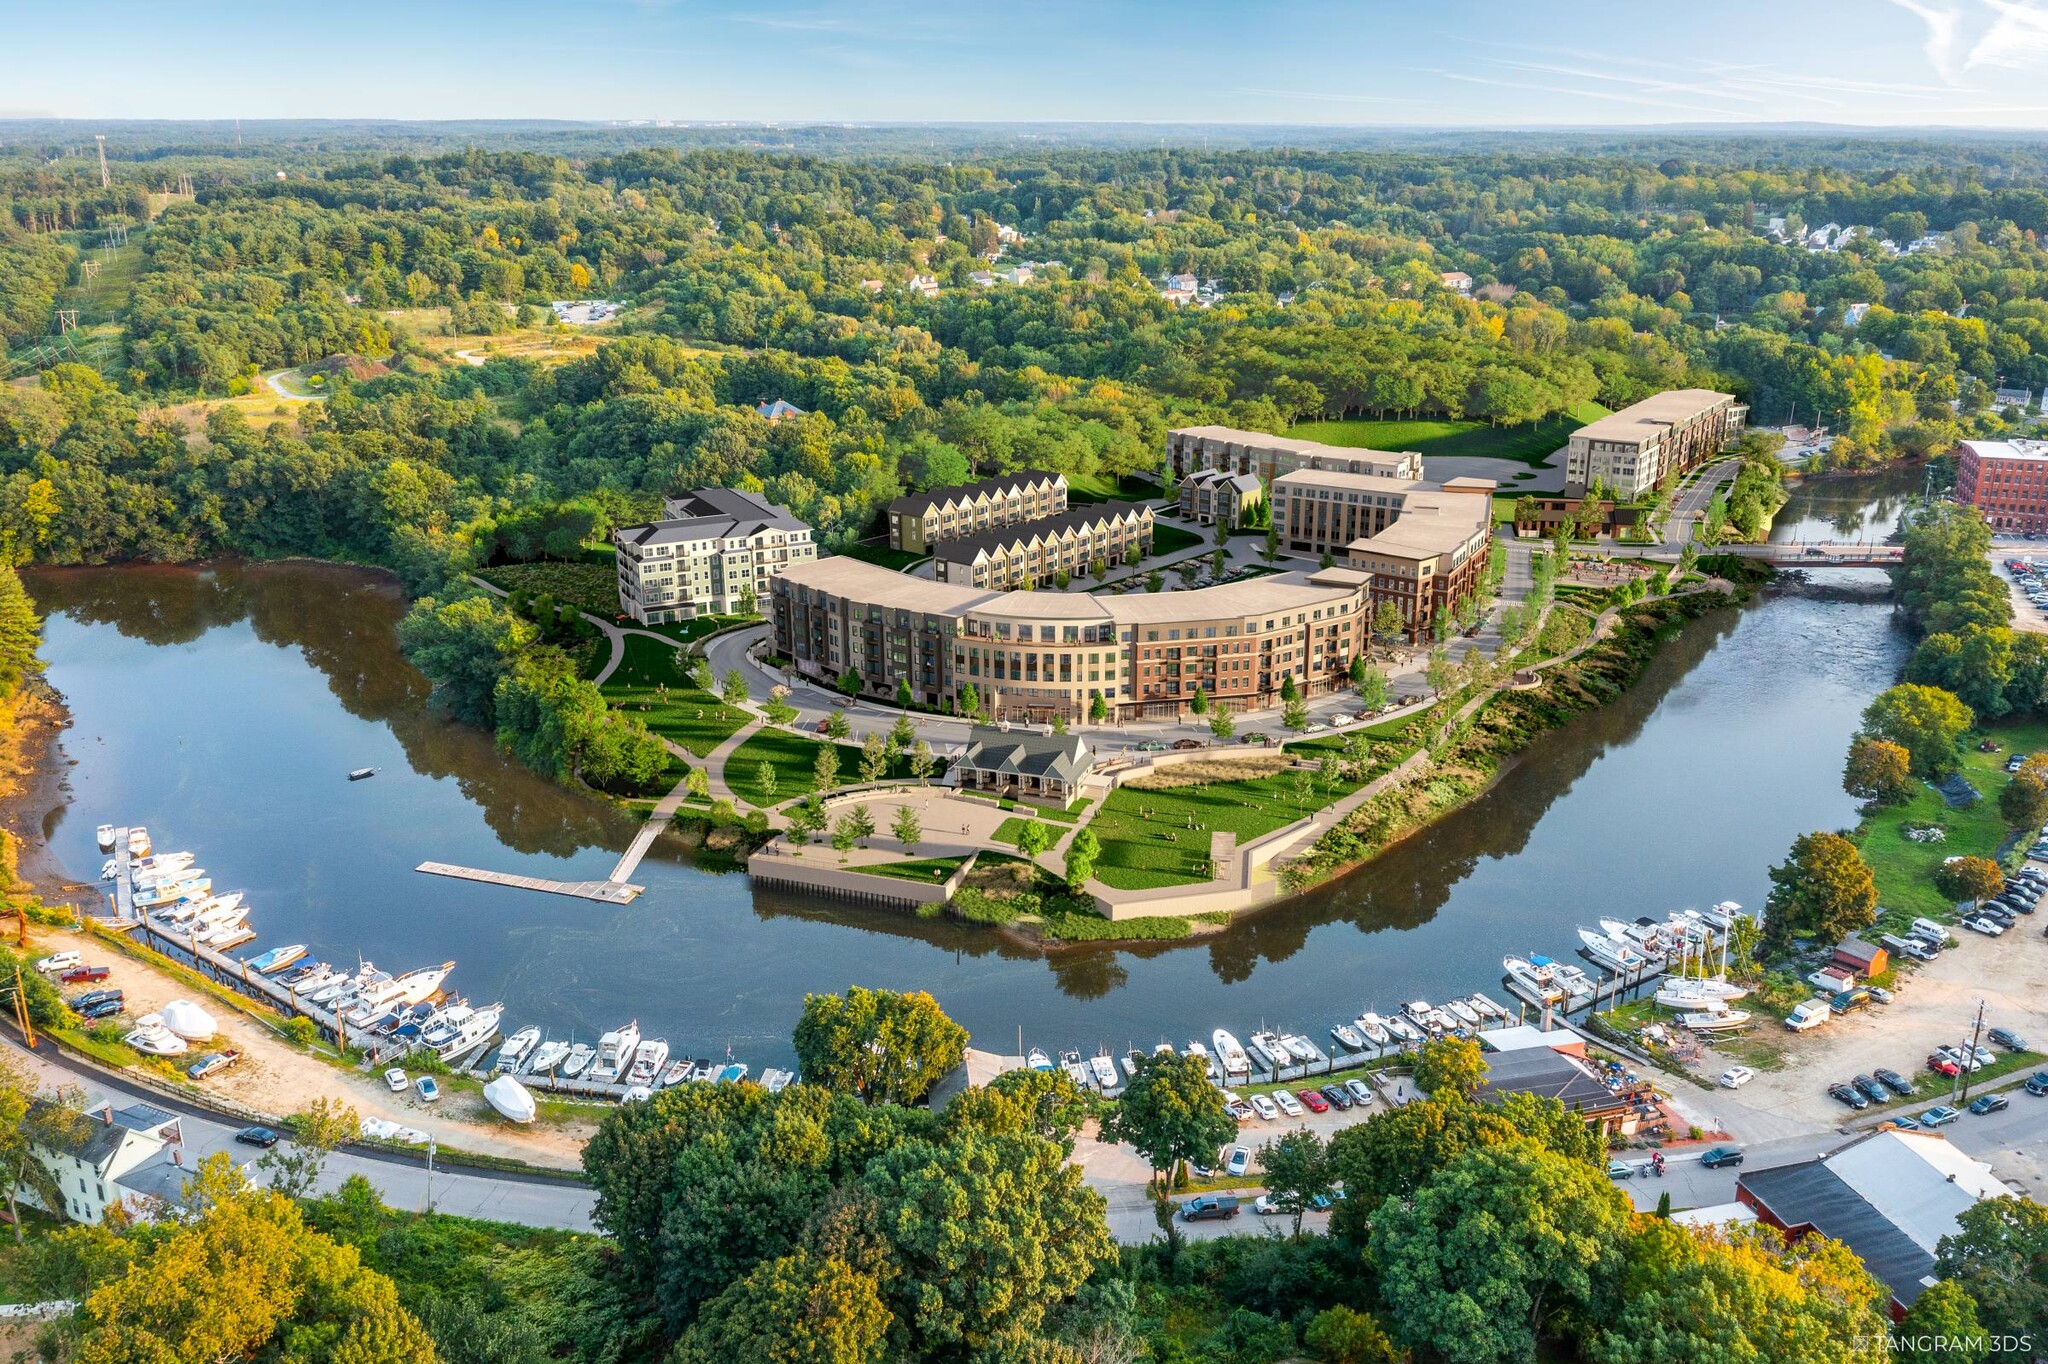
{"points": [[883, 556], [1904, 868], [1438, 437], [682, 713], [1153, 837], [794, 758]]}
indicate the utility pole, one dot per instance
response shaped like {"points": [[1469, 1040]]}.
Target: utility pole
{"points": [[1963, 1071], [430, 1175], [106, 181]]}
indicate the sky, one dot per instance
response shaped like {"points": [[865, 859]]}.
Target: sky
{"points": [[1433, 63]]}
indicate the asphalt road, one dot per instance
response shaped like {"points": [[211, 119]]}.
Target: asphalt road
{"points": [[1694, 500], [536, 1201]]}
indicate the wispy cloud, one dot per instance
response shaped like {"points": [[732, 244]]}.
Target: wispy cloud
{"points": [[1941, 25], [1639, 99], [2017, 39]]}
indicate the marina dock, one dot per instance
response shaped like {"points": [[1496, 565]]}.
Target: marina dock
{"points": [[609, 892]]}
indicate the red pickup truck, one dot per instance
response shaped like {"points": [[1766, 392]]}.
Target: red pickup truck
{"points": [[79, 975]]}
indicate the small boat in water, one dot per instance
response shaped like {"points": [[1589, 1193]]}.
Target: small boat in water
{"points": [[1486, 1008], [1272, 1049], [733, 1074], [1037, 1060], [1231, 1053], [362, 773], [1347, 1036], [775, 1081], [577, 1060], [677, 1072], [1618, 956], [1402, 1029], [1463, 1012], [546, 1057], [138, 842], [1300, 1048], [1104, 1071], [615, 1053], [414, 986], [303, 972], [510, 1098], [1076, 1069], [649, 1060], [1373, 1029], [515, 1049], [106, 837]]}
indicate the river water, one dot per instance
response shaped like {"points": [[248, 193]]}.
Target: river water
{"points": [[223, 706]]}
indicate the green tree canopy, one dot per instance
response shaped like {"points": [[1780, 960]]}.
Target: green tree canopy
{"points": [[1823, 889], [884, 1046], [1925, 721], [1169, 1112]]}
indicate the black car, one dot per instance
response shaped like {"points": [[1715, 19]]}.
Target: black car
{"points": [[80, 1003], [2037, 1083], [257, 1136], [1722, 1155], [1895, 1082], [1339, 1097], [1847, 1094], [1871, 1088], [105, 1008], [1990, 1103], [2007, 1038]]}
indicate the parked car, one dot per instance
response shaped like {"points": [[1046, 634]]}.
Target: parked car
{"points": [[2037, 1083], [2007, 1038], [1715, 1158], [1735, 1077], [1989, 1103], [58, 961], [1288, 1104], [1620, 1169], [1343, 717], [105, 1008], [1184, 745], [1940, 1116], [1152, 746], [1264, 1107], [1314, 1101], [1267, 1205], [83, 975], [211, 1063], [1878, 994], [1238, 1161], [1895, 1082], [1209, 1208], [1339, 1097], [427, 1089], [1361, 1092], [1943, 1065], [1984, 924], [1254, 738], [257, 1136], [1872, 1090], [396, 1080], [1847, 1094]]}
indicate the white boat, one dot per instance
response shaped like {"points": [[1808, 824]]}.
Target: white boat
{"points": [[224, 909], [1423, 1015], [138, 842], [177, 890], [1300, 1048], [159, 862], [1723, 915], [1694, 992], [1130, 1062], [1617, 955], [157, 875], [321, 977], [362, 985], [479, 1028], [330, 993], [105, 834], [677, 1072], [546, 1057], [578, 1060], [1076, 1069], [1272, 1049], [1373, 1029], [1231, 1053], [373, 1000], [276, 959], [151, 1036], [705, 1071], [415, 986], [445, 1025], [775, 1081], [510, 1098], [1463, 1012], [1533, 982], [515, 1048], [1104, 1071], [219, 934], [1577, 985], [1715, 1020], [1037, 1060], [1402, 1029], [1486, 1007], [188, 1020], [1347, 1036], [649, 1058], [614, 1054], [1214, 1066]]}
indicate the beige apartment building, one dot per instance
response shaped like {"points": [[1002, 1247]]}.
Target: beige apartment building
{"points": [[1635, 449], [1037, 655], [1191, 449], [1037, 552], [714, 554], [1211, 497], [919, 521]]}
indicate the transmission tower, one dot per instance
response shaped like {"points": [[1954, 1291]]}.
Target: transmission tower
{"points": [[185, 184], [67, 319], [88, 271], [106, 180]]}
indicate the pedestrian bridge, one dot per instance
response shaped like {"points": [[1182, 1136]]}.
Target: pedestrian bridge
{"points": [[1822, 554]]}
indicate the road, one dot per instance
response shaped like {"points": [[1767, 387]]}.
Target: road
{"points": [[1694, 500], [531, 1200]]}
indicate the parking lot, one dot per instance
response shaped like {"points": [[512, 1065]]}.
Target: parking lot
{"points": [[2026, 579]]}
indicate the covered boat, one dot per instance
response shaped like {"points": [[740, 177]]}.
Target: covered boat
{"points": [[510, 1098], [188, 1020]]}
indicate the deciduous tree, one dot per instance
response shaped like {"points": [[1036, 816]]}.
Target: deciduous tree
{"points": [[1170, 1113], [1823, 890], [1296, 1169], [881, 1045], [1878, 771], [1925, 721]]}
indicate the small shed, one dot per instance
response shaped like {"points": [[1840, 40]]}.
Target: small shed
{"points": [[1866, 959]]}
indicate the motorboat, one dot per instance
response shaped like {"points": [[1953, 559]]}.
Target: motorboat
{"points": [[615, 1054], [151, 1037], [636, 1094], [376, 998], [1696, 992], [424, 983], [1300, 1048], [1231, 1053], [649, 1060], [1373, 1029], [1463, 1012], [480, 1027], [775, 1081], [1214, 1066], [733, 1074], [105, 833], [1268, 1049], [577, 1060], [705, 1071], [343, 984], [231, 930], [229, 912], [447, 1023], [1104, 1071], [138, 842], [276, 959], [362, 774], [1037, 1060], [1347, 1036], [110, 869], [1403, 1031], [1423, 1015], [303, 972], [546, 1057], [169, 874], [1715, 1020], [317, 981], [515, 1049], [172, 892], [510, 1099], [188, 1020], [1076, 1069], [1722, 916], [1486, 1008], [1577, 985], [408, 1024], [677, 1072], [1131, 1061], [1617, 955], [1537, 984], [1645, 938]]}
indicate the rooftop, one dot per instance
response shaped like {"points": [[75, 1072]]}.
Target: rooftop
{"points": [[917, 504], [1072, 519], [1430, 523], [1022, 752], [711, 514], [1339, 478], [1260, 440], [1540, 1070], [1644, 420], [2008, 449]]}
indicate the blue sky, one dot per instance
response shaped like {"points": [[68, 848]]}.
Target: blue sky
{"points": [[1491, 63]]}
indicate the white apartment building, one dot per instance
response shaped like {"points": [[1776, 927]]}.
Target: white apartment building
{"points": [[714, 554]]}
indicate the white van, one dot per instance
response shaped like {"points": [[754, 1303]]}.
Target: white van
{"points": [[1811, 1014]]}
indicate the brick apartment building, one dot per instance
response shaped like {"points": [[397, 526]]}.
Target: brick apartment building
{"points": [[2007, 480]]}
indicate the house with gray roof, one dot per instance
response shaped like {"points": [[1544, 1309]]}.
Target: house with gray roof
{"points": [[1025, 765], [918, 521]]}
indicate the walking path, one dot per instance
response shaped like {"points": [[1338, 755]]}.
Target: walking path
{"points": [[714, 762]]}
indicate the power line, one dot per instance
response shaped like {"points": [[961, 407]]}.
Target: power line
{"points": [[106, 180]]}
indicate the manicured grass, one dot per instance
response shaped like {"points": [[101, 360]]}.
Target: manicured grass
{"points": [[896, 559], [1087, 488], [928, 870], [587, 587], [1172, 539], [1010, 830], [690, 631], [1136, 852], [794, 758], [1905, 869], [1532, 444], [683, 714]]}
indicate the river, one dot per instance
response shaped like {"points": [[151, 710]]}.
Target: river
{"points": [[223, 706]]}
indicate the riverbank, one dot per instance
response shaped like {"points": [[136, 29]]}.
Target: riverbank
{"points": [[32, 786]]}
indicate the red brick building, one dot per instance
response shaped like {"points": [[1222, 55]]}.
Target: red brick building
{"points": [[2007, 480]]}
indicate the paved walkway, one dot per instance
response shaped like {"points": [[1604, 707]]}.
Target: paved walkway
{"points": [[714, 762]]}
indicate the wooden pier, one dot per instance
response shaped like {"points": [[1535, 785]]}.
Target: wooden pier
{"points": [[609, 892]]}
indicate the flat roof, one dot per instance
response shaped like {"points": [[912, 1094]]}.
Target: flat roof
{"points": [[1231, 435], [1429, 524], [2008, 449], [1344, 478], [1640, 421], [873, 585]]}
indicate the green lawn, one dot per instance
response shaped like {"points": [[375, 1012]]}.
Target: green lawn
{"points": [[690, 631], [1531, 444], [928, 870], [1088, 488], [1172, 539], [1138, 854], [683, 714], [883, 555], [1905, 869], [794, 758], [588, 587]]}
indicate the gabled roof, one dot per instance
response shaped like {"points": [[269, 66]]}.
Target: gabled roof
{"points": [[145, 1118], [1540, 1070], [1071, 521], [99, 1143], [711, 514], [779, 409], [917, 504], [1066, 757]]}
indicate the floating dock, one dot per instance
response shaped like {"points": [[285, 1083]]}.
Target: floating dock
{"points": [[609, 892]]}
